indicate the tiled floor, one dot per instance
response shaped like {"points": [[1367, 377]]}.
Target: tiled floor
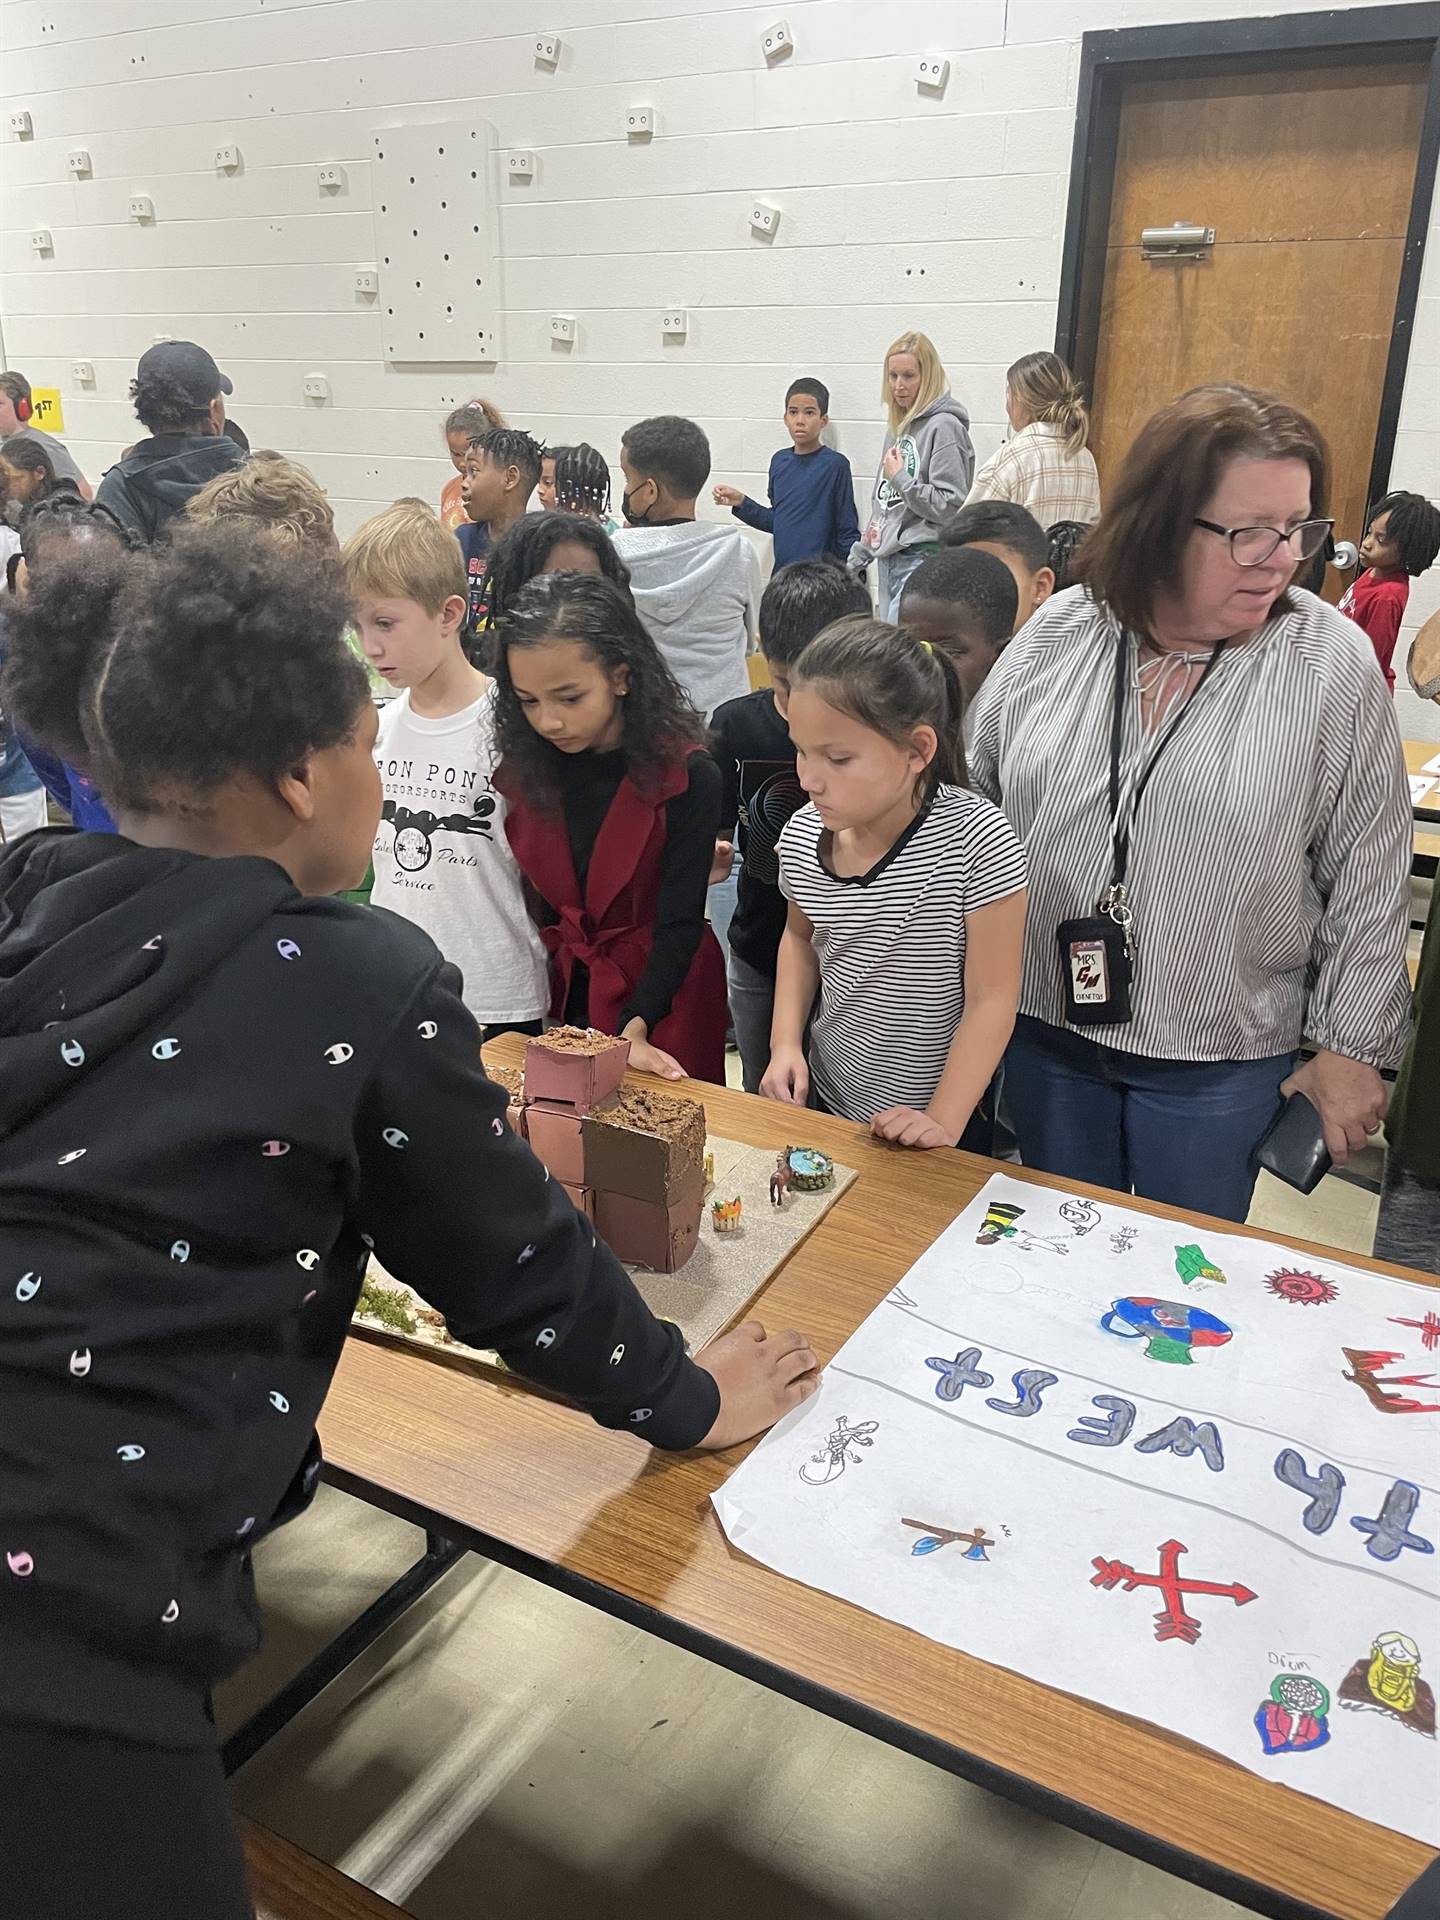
{"points": [[506, 1751]]}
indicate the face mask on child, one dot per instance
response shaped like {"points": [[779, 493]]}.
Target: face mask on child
{"points": [[632, 517]]}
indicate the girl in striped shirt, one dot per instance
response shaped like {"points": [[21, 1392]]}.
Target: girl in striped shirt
{"points": [[906, 892]]}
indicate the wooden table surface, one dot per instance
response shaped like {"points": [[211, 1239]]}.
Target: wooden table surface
{"points": [[1417, 752], [633, 1531]]}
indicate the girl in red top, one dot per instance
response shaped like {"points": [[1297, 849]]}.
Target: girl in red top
{"points": [[1401, 540], [612, 806]]}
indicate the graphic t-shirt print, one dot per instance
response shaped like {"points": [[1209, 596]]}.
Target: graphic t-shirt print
{"points": [[428, 804], [887, 493]]}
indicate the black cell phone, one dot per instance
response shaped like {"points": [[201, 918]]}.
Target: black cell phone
{"points": [[1293, 1146]]}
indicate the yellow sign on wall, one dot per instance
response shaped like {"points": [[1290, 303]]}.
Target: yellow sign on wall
{"points": [[48, 412]]}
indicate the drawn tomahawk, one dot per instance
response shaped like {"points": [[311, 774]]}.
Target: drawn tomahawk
{"points": [[1174, 1623]]}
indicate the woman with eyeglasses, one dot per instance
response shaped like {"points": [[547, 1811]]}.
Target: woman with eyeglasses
{"points": [[1204, 765]]}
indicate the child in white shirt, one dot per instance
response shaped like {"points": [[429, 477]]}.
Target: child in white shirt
{"points": [[441, 856]]}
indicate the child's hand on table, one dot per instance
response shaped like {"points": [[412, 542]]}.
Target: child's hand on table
{"points": [[787, 1078], [760, 1376], [647, 1059], [728, 496], [908, 1127]]}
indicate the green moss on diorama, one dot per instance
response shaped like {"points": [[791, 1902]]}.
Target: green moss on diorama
{"points": [[388, 1307]]}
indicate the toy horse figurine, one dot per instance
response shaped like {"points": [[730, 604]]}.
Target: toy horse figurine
{"points": [[781, 1178]]}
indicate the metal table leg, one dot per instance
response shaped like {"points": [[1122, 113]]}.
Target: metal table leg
{"points": [[439, 1556]]}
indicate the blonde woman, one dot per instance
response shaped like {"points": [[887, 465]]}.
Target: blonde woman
{"points": [[1045, 465], [925, 470]]}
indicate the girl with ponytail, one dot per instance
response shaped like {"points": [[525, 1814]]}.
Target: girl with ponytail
{"points": [[906, 892], [464, 424], [1045, 465]]}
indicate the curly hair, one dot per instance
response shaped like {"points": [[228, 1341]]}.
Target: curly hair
{"points": [[582, 480], [520, 555], [977, 582], [659, 726], [273, 492], [671, 450], [1413, 528], [165, 406], [472, 418], [172, 670]]}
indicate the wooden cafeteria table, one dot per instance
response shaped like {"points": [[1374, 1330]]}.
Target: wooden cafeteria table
{"points": [[1427, 834], [536, 1486]]}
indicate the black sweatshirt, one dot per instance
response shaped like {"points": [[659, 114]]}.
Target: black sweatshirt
{"points": [[587, 784], [215, 1097], [760, 790]]}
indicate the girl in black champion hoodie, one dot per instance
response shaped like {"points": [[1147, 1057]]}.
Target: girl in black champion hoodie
{"points": [[219, 1089]]}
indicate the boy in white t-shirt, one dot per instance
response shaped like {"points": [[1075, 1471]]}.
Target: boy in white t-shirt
{"points": [[441, 856]]}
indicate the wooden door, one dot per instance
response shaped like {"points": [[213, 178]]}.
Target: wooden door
{"points": [[1306, 176]]}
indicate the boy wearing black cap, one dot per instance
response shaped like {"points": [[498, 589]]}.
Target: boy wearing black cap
{"points": [[178, 393]]}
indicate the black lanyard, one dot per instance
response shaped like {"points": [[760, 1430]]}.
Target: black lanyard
{"points": [[1120, 830]]}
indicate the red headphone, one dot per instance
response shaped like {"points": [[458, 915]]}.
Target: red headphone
{"points": [[23, 408]]}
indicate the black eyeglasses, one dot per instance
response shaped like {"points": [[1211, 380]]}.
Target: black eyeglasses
{"points": [[1253, 546]]}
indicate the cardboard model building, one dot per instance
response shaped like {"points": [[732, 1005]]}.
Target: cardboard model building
{"points": [[575, 1067], [631, 1158]]}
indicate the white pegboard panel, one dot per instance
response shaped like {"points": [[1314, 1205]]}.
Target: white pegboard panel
{"points": [[435, 242]]}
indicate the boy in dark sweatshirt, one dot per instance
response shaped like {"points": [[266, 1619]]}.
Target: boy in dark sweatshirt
{"points": [[812, 491], [751, 743], [220, 1088], [179, 395]]}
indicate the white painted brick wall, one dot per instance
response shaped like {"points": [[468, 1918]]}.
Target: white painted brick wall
{"points": [[900, 208]]}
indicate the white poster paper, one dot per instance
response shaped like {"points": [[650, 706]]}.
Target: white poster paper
{"points": [[1419, 787], [1194, 1480]]}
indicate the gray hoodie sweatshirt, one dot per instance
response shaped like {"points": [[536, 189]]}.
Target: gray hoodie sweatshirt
{"points": [[697, 589], [930, 488]]}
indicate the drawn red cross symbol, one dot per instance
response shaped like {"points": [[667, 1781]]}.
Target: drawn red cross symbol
{"points": [[1174, 1623], [1428, 1329]]}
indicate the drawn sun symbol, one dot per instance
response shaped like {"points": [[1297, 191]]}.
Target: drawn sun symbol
{"points": [[1302, 1289]]}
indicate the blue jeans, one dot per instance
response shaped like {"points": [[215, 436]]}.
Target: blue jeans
{"points": [[723, 897], [752, 1001], [1176, 1131], [893, 571]]}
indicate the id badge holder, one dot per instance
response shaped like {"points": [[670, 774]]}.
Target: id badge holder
{"points": [[1097, 965]]}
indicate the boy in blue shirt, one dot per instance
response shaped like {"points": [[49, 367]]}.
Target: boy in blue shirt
{"points": [[812, 495]]}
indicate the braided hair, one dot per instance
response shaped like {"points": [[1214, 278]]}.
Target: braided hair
{"points": [[1413, 528], [1065, 538], [582, 480]]}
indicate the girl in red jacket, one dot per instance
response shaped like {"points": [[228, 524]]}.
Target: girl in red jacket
{"points": [[612, 810], [1401, 540]]}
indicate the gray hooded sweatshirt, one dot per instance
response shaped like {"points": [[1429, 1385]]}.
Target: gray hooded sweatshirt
{"points": [[697, 589], [930, 488]]}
